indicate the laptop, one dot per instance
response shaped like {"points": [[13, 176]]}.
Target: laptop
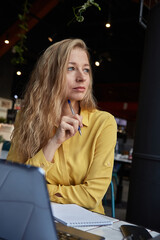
{"points": [[25, 211]]}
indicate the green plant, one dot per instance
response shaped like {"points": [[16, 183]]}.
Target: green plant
{"points": [[20, 48], [2, 139], [78, 11], [3, 120]]}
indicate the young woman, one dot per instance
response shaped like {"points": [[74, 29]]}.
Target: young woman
{"points": [[60, 130]]}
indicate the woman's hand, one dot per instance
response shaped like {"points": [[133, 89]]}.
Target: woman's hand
{"points": [[67, 128]]}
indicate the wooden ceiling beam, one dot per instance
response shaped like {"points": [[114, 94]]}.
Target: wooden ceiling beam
{"points": [[40, 8]]}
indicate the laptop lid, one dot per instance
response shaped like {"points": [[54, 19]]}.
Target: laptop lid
{"points": [[25, 211]]}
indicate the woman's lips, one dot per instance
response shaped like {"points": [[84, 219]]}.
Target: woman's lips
{"points": [[79, 89]]}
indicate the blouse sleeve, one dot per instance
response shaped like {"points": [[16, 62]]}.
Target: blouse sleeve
{"points": [[13, 155], [38, 160], [90, 193]]}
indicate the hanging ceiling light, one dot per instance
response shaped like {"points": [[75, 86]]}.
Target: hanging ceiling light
{"points": [[18, 73], [97, 63], [108, 25], [50, 39], [6, 41]]}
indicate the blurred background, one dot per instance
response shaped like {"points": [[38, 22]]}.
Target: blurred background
{"points": [[118, 48]]}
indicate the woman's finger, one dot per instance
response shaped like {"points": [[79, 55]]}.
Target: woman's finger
{"points": [[73, 121], [79, 118], [68, 126]]}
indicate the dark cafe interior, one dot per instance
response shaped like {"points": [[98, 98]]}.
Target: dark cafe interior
{"points": [[123, 39]]}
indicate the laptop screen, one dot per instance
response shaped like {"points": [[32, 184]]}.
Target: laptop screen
{"points": [[24, 203]]}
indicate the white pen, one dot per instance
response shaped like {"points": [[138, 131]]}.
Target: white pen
{"points": [[70, 105]]}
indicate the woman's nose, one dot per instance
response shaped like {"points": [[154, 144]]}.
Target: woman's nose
{"points": [[80, 76]]}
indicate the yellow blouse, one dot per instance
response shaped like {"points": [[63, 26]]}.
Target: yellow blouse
{"points": [[82, 167]]}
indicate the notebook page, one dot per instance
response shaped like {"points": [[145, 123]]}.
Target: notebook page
{"points": [[75, 216]]}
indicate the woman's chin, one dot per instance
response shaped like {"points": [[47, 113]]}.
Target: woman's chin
{"points": [[77, 97]]}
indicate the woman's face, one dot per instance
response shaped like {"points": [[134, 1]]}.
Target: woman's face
{"points": [[78, 75]]}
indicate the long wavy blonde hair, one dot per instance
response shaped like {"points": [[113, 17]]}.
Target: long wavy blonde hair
{"points": [[44, 98]]}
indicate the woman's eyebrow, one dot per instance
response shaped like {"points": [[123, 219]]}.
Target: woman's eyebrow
{"points": [[73, 63]]}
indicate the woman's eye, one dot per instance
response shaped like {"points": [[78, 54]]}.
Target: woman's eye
{"points": [[86, 70], [70, 68]]}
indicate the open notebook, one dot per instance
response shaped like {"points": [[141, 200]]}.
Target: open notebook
{"points": [[25, 210]]}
